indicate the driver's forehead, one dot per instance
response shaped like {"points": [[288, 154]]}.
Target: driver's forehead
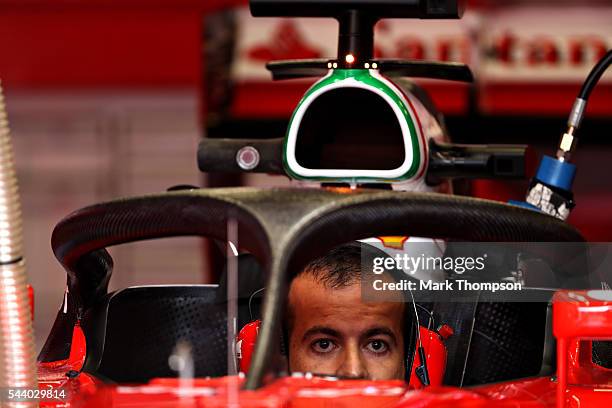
{"points": [[342, 309]]}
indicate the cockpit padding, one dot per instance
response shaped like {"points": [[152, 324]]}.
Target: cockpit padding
{"points": [[132, 333]]}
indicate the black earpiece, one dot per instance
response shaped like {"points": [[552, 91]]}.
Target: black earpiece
{"points": [[421, 371]]}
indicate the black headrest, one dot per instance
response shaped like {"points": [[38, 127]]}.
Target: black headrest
{"points": [[497, 341], [602, 353], [131, 333]]}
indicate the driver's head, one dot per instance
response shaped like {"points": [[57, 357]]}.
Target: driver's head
{"points": [[331, 331]]}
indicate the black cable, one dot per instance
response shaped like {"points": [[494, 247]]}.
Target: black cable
{"points": [[251, 301], [595, 75], [569, 140], [431, 323]]}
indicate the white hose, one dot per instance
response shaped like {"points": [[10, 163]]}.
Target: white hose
{"points": [[17, 354]]}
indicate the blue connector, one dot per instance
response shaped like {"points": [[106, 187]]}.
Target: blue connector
{"points": [[556, 173], [551, 189]]}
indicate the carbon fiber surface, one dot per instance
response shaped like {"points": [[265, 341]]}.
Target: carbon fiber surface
{"points": [[602, 353], [145, 324]]}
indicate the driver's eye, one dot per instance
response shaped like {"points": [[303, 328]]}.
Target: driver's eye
{"points": [[323, 346], [377, 347]]}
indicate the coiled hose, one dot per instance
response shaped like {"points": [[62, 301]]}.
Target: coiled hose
{"points": [[17, 354]]}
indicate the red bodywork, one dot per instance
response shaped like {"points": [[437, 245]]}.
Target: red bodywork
{"points": [[577, 318]]}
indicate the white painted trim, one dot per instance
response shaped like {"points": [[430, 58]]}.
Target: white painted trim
{"points": [[423, 149], [343, 173]]}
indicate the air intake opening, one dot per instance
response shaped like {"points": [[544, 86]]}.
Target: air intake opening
{"points": [[350, 129]]}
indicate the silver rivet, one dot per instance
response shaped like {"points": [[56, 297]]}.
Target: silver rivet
{"points": [[247, 158]]}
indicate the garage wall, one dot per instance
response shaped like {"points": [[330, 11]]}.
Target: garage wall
{"points": [[77, 149]]}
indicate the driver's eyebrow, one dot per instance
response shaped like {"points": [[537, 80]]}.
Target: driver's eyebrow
{"points": [[377, 331], [315, 330]]}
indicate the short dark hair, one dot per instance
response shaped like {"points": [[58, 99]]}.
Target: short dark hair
{"points": [[339, 268], [342, 266]]}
